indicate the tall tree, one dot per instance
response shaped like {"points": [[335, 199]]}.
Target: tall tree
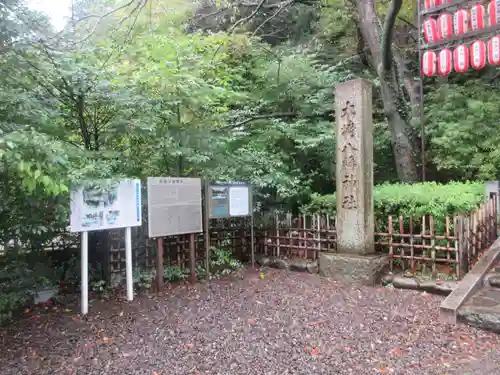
{"points": [[389, 71]]}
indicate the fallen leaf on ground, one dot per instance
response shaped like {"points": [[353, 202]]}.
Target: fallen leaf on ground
{"points": [[107, 339], [467, 340], [395, 352], [384, 371]]}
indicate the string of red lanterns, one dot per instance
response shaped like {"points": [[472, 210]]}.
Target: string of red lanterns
{"points": [[460, 22], [477, 55], [429, 4]]}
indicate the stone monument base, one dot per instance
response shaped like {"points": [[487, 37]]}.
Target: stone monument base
{"points": [[352, 268]]}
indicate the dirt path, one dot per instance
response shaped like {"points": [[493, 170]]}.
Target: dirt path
{"points": [[286, 323]]}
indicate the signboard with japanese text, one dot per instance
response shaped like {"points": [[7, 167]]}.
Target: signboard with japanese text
{"points": [[229, 199], [174, 206], [102, 205]]}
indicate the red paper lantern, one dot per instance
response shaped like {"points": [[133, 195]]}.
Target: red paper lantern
{"points": [[429, 63], [428, 4], [494, 12], [445, 25], [477, 17], [494, 50], [430, 30], [460, 22], [444, 62], [461, 58], [478, 55]]}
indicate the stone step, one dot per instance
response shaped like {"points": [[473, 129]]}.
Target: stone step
{"points": [[482, 310], [492, 279]]}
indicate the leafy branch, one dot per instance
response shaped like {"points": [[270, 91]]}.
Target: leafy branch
{"points": [[276, 115]]}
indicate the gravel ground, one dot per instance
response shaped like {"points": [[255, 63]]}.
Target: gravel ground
{"points": [[284, 323]]}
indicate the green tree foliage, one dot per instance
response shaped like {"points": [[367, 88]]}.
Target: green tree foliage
{"points": [[463, 122], [133, 89]]}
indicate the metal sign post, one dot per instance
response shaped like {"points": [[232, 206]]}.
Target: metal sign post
{"points": [[128, 263], [207, 230], [85, 272]]}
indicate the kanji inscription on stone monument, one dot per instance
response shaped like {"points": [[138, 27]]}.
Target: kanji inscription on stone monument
{"points": [[349, 149]]}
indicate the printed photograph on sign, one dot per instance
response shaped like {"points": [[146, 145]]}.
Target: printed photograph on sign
{"points": [[220, 201], [106, 205]]}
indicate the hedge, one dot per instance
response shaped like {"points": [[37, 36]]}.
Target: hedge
{"points": [[417, 200]]}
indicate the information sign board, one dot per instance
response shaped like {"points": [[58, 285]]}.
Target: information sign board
{"points": [[104, 205], [174, 206], [229, 199]]}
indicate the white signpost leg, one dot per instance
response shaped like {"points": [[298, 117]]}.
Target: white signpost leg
{"points": [[128, 261], [85, 272]]}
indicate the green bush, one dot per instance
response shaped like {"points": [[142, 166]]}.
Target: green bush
{"points": [[223, 262], [17, 284], [175, 273], [417, 200]]}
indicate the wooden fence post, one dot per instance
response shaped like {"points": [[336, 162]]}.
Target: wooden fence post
{"points": [[318, 237], [461, 246], [277, 251], [192, 257]]}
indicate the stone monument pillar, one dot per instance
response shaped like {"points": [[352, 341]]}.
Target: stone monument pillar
{"points": [[355, 259], [355, 220]]}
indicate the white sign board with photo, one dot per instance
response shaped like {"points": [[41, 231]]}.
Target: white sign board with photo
{"points": [[106, 205]]}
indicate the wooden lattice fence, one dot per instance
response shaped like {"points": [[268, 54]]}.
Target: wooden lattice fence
{"points": [[450, 246]]}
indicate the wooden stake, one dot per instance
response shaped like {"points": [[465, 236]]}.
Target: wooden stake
{"points": [[391, 250], [159, 266], [433, 245], [192, 257], [277, 235], [412, 247]]}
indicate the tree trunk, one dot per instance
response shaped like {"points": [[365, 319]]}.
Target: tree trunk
{"points": [[411, 85], [401, 130]]}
